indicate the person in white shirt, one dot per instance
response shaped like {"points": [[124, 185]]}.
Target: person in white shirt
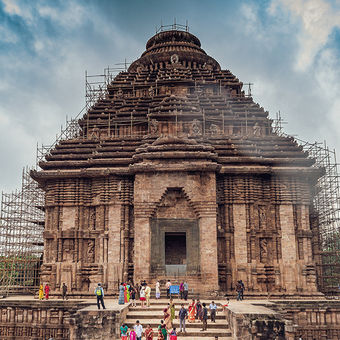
{"points": [[213, 309], [158, 290], [168, 285], [139, 330]]}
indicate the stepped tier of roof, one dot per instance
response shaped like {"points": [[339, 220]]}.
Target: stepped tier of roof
{"points": [[175, 90]]}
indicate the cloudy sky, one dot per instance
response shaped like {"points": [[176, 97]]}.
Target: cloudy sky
{"points": [[289, 49]]}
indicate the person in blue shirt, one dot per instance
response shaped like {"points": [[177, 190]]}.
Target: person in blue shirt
{"points": [[99, 292]]}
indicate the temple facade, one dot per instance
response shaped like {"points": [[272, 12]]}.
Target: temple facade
{"points": [[177, 173]]}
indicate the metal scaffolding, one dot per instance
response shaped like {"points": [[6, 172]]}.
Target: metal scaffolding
{"points": [[21, 237]]}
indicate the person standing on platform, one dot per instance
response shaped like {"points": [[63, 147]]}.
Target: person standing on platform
{"points": [[192, 311], [121, 299], [99, 292], [213, 309], [168, 285], [239, 290], [158, 290], [41, 292], [138, 328], [204, 317], [64, 291], [133, 296], [142, 296], [198, 310], [181, 290], [147, 295], [172, 312], [242, 289], [47, 291], [186, 290], [182, 315]]}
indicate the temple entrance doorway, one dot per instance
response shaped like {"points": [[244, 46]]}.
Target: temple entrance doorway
{"points": [[175, 245]]}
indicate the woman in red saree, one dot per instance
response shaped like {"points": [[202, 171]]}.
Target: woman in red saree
{"points": [[148, 332], [192, 311]]}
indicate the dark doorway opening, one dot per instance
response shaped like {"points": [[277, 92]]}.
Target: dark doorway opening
{"points": [[175, 248]]}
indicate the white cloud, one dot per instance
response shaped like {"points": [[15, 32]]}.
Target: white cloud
{"points": [[318, 19], [7, 36], [11, 7]]}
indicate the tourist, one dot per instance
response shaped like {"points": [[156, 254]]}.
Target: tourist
{"points": [[142, 296], [182, 315], [181, 290], [64, 291], [204, 317], [132, 335], [138, 328], [41, 292], [147, 295], [162, 332], [148, 333], [158, 290], [173, 334], [225, 305], [47, 291], [121, 299], [99, 292], [192, 311], [186, 290], [213, 309], [167, 317], [242, 289], [133, 296], [239, 290], [124, 331], [198, 310], [126, 293], [172, 312], [168, 285]]}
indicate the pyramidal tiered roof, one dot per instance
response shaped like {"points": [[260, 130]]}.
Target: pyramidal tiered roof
{"points": [[175, 90]]}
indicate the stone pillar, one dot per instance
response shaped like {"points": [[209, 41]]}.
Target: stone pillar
{"points": [[114, 252], [289, 258], [240, 242]]}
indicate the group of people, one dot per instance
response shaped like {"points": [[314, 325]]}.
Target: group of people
{"points": [[137, 331], [183, 290], [44, 292], [128, 292]]}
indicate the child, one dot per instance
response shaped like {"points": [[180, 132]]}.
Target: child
{"points": [[133, 335], [173, 334]]}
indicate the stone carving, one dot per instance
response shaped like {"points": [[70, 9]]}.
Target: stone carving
{"points": [[154, 126], [196, 127], [262, 217], [257, 130], [68, 247], [214, 130], [174, 59], [90, 251], [151, 91], [263, 250], [95, 133]]}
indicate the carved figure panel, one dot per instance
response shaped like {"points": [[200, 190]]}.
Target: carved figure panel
{"points": [[68, 247], [90, 250]]}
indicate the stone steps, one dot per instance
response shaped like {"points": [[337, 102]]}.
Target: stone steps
{"points": [[153, 314]]}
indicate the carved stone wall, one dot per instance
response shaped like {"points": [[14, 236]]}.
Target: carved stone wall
{"points": [[89, 229], [264, 235]]}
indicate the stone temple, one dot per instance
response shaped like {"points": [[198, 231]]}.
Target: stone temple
{"points": [[177, 173]]}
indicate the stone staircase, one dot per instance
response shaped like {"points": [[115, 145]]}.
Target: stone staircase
{"points": [[154, 314]]}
